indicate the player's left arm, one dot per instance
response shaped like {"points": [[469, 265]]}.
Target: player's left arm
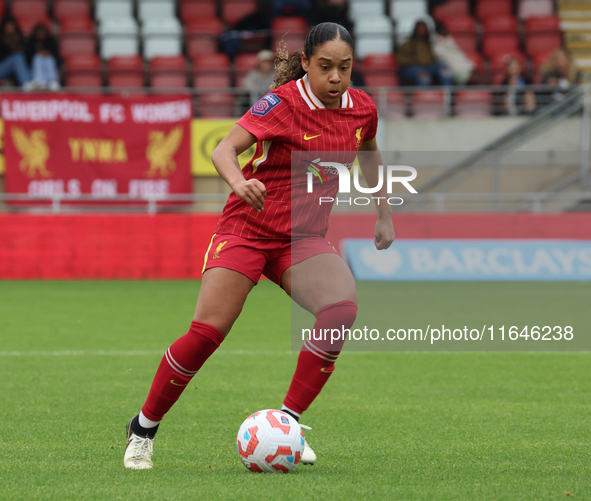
{"points": [[370, 161]]}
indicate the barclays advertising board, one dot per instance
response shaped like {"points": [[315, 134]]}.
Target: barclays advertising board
{"points": [[470, 260]]}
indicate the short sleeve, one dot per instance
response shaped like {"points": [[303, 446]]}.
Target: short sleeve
{"points": [[270, 117], [372, 128]]}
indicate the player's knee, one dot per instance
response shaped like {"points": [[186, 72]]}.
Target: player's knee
{"points": [[224, 325], [341, 313]]}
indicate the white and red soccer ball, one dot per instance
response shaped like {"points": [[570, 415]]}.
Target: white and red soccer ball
{"points": [[270, 441]]}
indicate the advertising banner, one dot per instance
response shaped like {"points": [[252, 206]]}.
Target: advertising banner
{"points": [[101, 146], [206, 135], [470, 260]]}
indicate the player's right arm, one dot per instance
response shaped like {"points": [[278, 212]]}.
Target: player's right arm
{"points": [[225, 160]]}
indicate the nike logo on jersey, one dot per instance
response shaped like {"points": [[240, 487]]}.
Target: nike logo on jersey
{"points": [[307, 138], [176, 384]]}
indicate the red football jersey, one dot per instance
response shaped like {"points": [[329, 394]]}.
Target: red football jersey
{"points": [[291, 120]]}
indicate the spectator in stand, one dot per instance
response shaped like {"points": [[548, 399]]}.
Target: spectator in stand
{"points": [[417, 61], [560, 71], [42, 56], [290, 7], [259, 81], [517, 99], [449, 52], [330, 11], [12, 58]]}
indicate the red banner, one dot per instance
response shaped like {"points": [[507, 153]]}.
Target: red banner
{"points": [[98, 146]]}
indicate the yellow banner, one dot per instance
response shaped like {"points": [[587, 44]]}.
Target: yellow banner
{"points": [[2, 166], [205, 136]]}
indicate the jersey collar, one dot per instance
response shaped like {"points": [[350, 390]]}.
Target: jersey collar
{"points": [[303, 85]]}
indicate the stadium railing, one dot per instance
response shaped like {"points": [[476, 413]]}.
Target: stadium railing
{"points": [[393, 103], [199, 202]]}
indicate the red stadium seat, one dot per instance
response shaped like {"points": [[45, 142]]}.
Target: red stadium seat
{"points": [[477, 59], [493, 8], [2, 7], [243, 64], [500, 35], [236, 10], [542, 24], [211, 81], [125, 71], [71, 8], [463, 30], [190, 10], [394, 106], [202, 35], [83, 70], [379, 62], [211, 71], [428, 104], [542, 35], [499, 44], [380, 70], [542, 44], [498, 64], [168, 63], [168, 72], [473, 103], [451, 8], [289, 30], [500, 25], [211, 63], [28, 8], [292, 25], [77, 36], [27, 23], [539, 59], [377, 80], [292, 42], [216, 106]]}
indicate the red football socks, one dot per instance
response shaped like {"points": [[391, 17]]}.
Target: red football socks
{"points": [[317, 358], [178, 366]]}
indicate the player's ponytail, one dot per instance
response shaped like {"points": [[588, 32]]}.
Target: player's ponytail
{"points": [[289, 66]]}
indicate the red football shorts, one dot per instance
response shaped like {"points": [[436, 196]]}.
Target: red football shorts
{"points": [[256, 257]]}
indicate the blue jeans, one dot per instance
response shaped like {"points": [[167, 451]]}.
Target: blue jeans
{"points": [[44, 69], [15, 64], [423, 76]]}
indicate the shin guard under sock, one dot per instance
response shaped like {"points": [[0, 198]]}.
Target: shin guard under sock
{"points": [[178, 366], [317, 358]]}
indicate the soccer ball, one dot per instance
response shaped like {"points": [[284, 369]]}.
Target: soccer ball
{"points": [[270, 441]]}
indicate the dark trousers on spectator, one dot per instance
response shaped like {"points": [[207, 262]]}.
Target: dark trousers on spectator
{"points": [[423, 76], [16, 65]]}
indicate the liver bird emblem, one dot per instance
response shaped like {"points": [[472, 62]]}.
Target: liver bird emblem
{"points": [[358, 136], [161, 149], [33, 149], [219, 248]]}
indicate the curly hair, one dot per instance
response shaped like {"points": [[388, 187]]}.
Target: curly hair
{"points": [[289, 66]]}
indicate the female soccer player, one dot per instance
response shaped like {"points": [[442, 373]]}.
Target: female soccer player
{"points": [[311, 108]]}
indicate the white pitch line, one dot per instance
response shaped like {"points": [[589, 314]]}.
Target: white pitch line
{"points": [[132, 353]]}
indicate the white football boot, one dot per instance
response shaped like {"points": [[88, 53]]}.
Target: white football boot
{"points": [[308, 456], [139, 450]]}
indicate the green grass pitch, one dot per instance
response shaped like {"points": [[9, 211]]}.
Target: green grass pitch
{"points": [[77, 359]]}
